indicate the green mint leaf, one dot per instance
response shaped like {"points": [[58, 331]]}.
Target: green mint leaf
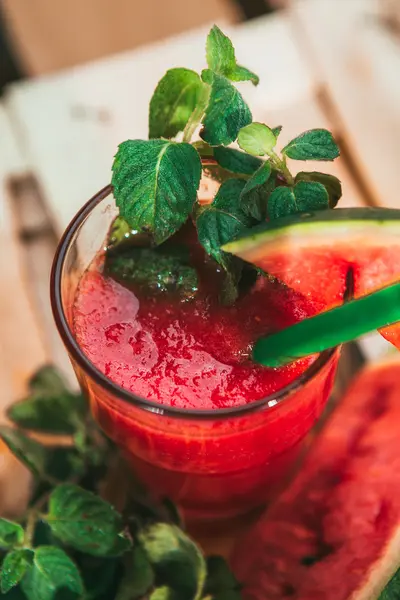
{"points": [[240, 73], [85, 522], [52, 573], [60, 414], [257, 139], [277, 130], [235, 161], [221, 58], [47, 381], [176, 559], [255, 194], [32, 454], [225, 595], [138, 577], [222, 220], [155, 185], [101, 576], [332, 184], [281, 203], [392, 589], [165, 269], [226, 112], [305, 196], [219, 222], [311, 195], [220, 52], [11, 534], [163, 593], [215, 172], [219, 577], [316, 144], [175, 98], [15, 566]]}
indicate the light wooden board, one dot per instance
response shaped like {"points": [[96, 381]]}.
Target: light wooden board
{"points": [[358, 62], [71, 124], [51, 35], [22, 349]]}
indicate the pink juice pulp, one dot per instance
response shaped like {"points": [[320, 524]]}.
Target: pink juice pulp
{"points": [[197, 355]]}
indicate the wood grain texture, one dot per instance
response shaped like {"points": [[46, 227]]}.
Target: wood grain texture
{"points": [[352, 55], [49, 35]]}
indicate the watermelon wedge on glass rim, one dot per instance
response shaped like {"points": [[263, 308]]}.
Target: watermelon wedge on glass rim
{"points": [[312, 254]]}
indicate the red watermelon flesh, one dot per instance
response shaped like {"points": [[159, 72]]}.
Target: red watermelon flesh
{"points": [[313, 254], [334, 534]]}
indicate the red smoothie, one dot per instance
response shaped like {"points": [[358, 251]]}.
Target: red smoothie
{"points": [[196, 355]]}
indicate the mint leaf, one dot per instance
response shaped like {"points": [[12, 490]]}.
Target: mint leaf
{"points": [[311, 195], [59, 414], [163, 593], [316, 144], [281, 203], [14, 567], [242, 74], [155, 270], [219, 577], [221, 58], [235, 161], [155, 185], [138, 577], [220, 52], [219, 222], [305, 196], [226, 112], [175, 98], [177, 561], [51, 407], [11, 534], [330, 182], [277, 130], [392, 589], [85, 522], [47, 381], [52, 572], [257, 139], [32, 454], [254, 196], [222, 220]]}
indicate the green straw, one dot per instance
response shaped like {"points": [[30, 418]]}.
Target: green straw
{"points": [[331, 328]]}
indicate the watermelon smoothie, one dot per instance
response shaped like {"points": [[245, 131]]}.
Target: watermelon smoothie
{"points": [[172, 382]]}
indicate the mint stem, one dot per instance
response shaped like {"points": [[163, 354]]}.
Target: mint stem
{"points": [[197, 114], [281, 166]]}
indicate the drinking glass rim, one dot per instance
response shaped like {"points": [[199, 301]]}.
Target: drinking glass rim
{"points": [[269, 402]]}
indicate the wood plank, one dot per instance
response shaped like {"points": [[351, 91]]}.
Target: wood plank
{"points": [[47, 38], [21, 348], [353, 56], [71, 123]]}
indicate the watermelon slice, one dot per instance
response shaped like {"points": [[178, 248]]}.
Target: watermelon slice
{"points": [[334, 534], [312, 253]]}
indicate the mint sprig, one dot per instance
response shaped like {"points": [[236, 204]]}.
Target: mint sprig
{"points": [[222, 60], [156, 181], [71, 543]]}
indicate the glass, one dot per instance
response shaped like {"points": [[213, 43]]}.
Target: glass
{"points": [[213, 464]]}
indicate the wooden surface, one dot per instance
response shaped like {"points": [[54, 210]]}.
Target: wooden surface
{"points": [[49, 35], [319, 67]]}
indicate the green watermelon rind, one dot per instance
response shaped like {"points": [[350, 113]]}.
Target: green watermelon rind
{"points": [[325, 224]]}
